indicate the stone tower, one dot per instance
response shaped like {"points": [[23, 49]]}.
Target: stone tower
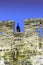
{"points": [[6, 38]]}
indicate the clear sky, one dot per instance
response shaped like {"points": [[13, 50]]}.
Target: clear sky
{"points": [[19, 10]]}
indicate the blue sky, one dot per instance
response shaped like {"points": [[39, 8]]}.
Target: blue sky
{"points": [[19, 10]]}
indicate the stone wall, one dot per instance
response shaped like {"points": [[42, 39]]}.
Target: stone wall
{"points": [[26, 42]]}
